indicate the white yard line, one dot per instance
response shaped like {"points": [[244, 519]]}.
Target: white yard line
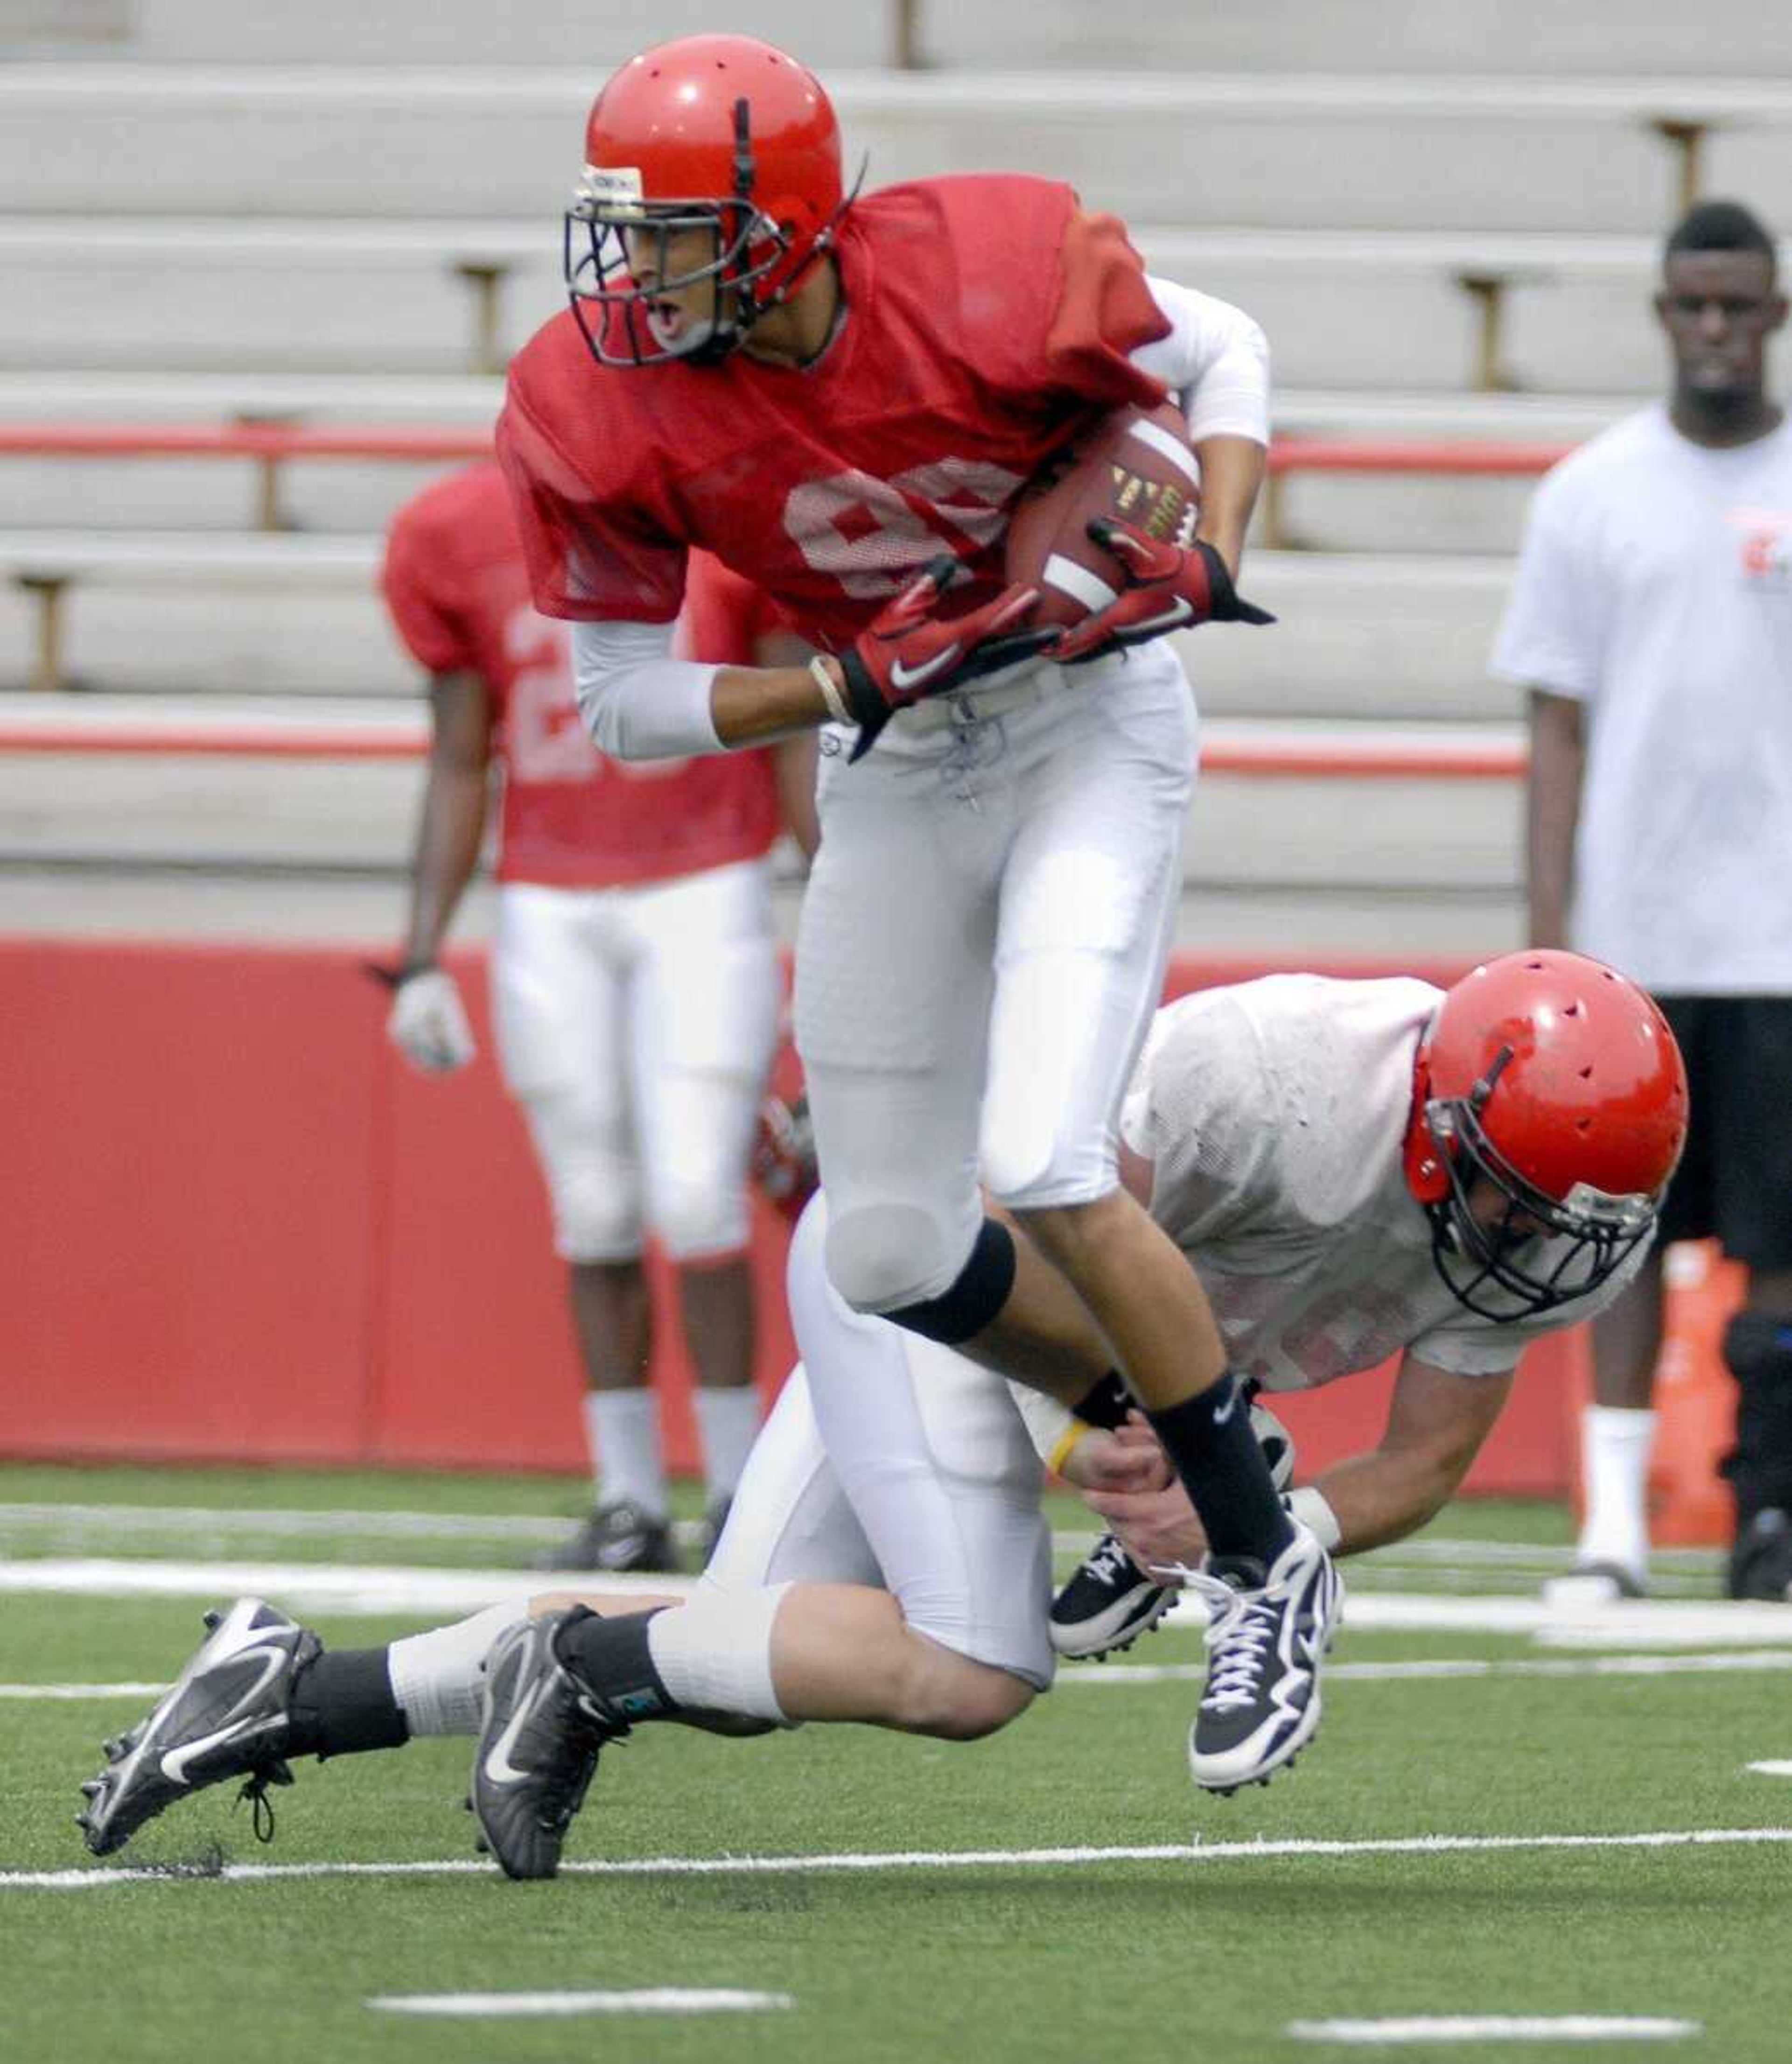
{"points": [[1498, 2028], [371, 1588], [1772, 1769], [659, 1999], [906, 1859]]}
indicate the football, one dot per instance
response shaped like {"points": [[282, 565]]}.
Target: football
{"points": [[1135, 463]]}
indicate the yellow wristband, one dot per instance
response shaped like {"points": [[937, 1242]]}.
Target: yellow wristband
{"points": [[1066, 1440]]}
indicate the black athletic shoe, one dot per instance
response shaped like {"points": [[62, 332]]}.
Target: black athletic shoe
{"points": [[1266, 1641], [538, 1743], [1107, 1604], [225, 1716], [1761, 1562], [1108, 1601], [620, 1538]]}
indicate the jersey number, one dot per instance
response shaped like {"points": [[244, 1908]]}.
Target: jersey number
{"points": [[873, 536]]}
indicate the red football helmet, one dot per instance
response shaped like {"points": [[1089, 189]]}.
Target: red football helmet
{"points": [[720, 135], [1549, 1106]]}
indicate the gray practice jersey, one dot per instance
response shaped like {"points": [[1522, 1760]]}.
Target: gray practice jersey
{"points": [[1273, 1114]]}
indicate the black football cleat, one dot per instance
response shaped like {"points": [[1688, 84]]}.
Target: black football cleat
{"points": [[1107, 1604], [1108, 1601], [1761, 1562], [226, 1716], [538, 1743], [1267, 1634], [618, 1538]]}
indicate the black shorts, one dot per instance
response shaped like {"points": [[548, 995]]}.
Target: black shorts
{"points": [[1734, 1181]]}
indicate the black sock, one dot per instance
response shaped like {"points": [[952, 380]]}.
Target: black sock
{"points": [[342, 1702], [1212, 1449], [611, 1657], [1105, 1404]]}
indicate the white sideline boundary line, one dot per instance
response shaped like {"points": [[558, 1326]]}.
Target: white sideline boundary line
{"points": [[379, 1587], [303, 1522], [1126, 1676], [901, 1860], [1498, 2028]]}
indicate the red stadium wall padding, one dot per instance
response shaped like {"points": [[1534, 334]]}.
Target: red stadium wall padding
{"points": [[240, 1228], [189, 1240]]}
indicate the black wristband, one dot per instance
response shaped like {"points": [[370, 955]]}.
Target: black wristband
{"points": [[870, 707]]}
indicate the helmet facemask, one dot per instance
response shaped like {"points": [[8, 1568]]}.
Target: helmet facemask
{"points": [[1500, 1268], [612, 234]]}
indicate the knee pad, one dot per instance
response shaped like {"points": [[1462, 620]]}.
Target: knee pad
{"points": [[882, 1256], [971, 1299], [597, 1210], [697, 1214]]}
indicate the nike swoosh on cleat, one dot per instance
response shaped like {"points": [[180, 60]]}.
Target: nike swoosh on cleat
{"points": [[176, 1761], [499, 1767]]}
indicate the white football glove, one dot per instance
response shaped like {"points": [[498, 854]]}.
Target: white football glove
{"points": [[427, 1024]]}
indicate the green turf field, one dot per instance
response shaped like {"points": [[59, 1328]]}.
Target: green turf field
{"points": [[886, 1948]]}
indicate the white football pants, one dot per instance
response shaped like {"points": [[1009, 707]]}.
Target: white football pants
{"points": [[982, 947], [637, 1026], [890, 1461]]}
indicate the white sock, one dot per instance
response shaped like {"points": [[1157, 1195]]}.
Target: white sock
{"points": [[622, 1428], [728, 1421], [436, 1677], [1615, 1442], [714, 1651]]}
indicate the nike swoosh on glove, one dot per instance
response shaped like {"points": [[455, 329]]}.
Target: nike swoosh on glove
{"points": [[1167, 589], [908, 653]]}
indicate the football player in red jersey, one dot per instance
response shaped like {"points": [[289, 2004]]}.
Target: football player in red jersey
{"points": [[841, 397], [634, 981]]}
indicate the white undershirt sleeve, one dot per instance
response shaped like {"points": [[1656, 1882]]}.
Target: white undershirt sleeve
{"points": [[638, 701], [1047, 1421], [1215, 360]]}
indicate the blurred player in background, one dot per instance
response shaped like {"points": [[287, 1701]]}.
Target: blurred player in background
{"points": [[635, 988], [843, 398], [1651, 622], [1355, 1168]]}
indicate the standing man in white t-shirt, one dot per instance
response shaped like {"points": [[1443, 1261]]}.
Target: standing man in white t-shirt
{"points": [[1652, 623]]}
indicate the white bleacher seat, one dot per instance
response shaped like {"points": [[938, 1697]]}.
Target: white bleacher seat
{"points": [[1530, 153], [1590, 36]]}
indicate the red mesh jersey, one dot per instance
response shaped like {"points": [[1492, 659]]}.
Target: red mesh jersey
{"points": [[987, 318], [455, 583]]}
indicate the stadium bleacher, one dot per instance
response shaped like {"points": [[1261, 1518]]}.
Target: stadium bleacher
{"points": [[222, 215]]}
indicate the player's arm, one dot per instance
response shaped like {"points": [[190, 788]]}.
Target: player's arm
{"points": [[1215, 360], [451, 822], [1558, 759], [1437, 1421]]}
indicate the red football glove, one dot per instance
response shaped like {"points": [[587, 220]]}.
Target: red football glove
{"points": [[1165, 588], [908, 654], [784, 1154]]}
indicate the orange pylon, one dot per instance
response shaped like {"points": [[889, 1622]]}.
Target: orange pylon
{"points": [[1690, 1504]]}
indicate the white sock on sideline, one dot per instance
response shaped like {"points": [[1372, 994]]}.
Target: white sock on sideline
{"points": [[728, 1422], [1615, 1442], [622, 1429]]}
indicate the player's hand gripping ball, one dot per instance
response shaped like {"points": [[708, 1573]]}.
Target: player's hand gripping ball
{"points": [[908, 653], [1106, 535]]}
